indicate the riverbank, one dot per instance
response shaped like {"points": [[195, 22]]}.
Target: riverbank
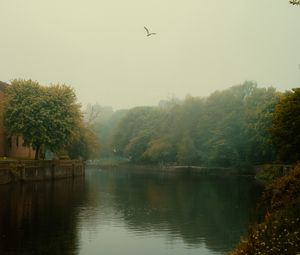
{"points": [[268, 172], [278, 232], [37, 170]]}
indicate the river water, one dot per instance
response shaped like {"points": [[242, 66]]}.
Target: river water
{"points": [[127, 212]]}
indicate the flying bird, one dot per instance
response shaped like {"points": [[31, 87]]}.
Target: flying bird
{"points": [[148, 33]]}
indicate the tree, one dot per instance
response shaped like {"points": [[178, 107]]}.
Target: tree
{"points": [[44, 116], [187, 152], [260, 107], [228, 128], [286, 126], [135, 131], [159, 150], [295, 2], [85, 145]]}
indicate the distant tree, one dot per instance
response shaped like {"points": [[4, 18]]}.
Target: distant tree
{"points": [[84, 145], [94, 114], [286, 126], [135, 131], [137, 145], [44, 116], [228, 128], [186, 151], [260, 107], [160, 150]]}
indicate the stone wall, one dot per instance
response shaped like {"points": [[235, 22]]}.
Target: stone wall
{"points": [[38, 170]]}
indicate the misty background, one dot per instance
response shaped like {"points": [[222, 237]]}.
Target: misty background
{"points": [[101, 49]]}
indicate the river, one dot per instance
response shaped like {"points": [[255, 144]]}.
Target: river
{"points": [[127, 212]]}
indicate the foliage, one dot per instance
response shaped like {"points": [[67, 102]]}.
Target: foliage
{"points": [[284, 191], [286, 126], [295, 2], [102, 121], [44, 116], [228, 128], [85, 145], [186, 151], [269, 172], [135, 131], [158, 150], [279, 232]]}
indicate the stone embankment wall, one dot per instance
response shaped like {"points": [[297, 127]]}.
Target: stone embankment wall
{"points": [[38, 170]]}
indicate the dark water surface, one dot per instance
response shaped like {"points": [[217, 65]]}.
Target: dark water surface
{"points": [[122, 212]]}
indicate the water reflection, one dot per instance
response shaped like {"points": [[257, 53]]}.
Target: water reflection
{"points": [[127, 212], [40, 218], [210, 211]]}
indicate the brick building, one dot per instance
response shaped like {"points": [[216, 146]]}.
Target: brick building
{"points": [[11, 146], [2, 133]]}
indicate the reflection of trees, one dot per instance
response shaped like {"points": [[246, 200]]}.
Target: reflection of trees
{"points": [[42, 218], [39, 218], [210, 209]]}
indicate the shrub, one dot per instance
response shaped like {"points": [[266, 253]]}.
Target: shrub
{"points": [[279, 231]]}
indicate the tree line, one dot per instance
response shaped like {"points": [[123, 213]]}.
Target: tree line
{"points": [[239, 127]]}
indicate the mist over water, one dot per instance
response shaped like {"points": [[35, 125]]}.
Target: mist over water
{"points": [[127, 212]]}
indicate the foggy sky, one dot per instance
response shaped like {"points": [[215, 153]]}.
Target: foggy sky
{"points": [[100, 47]]}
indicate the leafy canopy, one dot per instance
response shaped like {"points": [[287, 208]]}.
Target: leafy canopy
{"points": [[228, 128], [286, 126], [44, 116]]}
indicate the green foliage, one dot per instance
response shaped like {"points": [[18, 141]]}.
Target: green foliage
{"points": [[259, 112], [286, 126], [187, 151], [85, 145], [228, 128], [159, 150], [44, 116], [135, 131]]}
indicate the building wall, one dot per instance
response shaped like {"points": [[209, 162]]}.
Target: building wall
{"points": [[16, 149]]}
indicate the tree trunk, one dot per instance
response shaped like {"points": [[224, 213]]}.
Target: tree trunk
{"points": [[37, 152]]}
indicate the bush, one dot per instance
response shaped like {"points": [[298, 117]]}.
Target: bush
{"points": [[279, 231]]}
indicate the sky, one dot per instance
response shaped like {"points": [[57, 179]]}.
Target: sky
{"points": [[100, 47]]}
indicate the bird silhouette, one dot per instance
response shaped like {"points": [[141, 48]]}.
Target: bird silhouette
{"points": [[148, 33]]}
